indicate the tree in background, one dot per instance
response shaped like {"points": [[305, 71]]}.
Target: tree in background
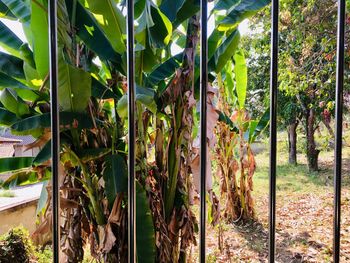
{"points": [[306, 66]]}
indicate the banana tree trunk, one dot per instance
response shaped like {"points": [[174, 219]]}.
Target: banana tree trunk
{"points": [[181, 93]]}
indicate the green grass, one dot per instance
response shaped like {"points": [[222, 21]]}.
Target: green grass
{"points": [[297, 178]]}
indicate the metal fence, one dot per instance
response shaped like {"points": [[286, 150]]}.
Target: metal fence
{"points": [[203, 120]]}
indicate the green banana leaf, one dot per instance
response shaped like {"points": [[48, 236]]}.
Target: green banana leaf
{"points": [[145, 235], [223, 52], [89, 31], [170, 8], [7, 118], [188, 9], [165, 70], [111, 20], [74, 87], [11, 164], [245, 9], [22, 90], [260, 126], [42, 199], [226, 4], [98, 90], [241, 77], [24, 178], [20, 9], [67, 120], [9, 41], [144, 96], [5, 12], [39, 28], [115, 175], [11, 66], [13, 103]]}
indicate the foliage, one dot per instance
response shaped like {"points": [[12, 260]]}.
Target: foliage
{"points": [[306, 65], [236, 162], [16, 246], [93, 119], [7, 194]]}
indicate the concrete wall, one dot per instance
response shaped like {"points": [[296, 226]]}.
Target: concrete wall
{"points": [[23, 214]]}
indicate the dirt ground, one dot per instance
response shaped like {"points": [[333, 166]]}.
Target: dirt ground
{"points": [[304, 230]]}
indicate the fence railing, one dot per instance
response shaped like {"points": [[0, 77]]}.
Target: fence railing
{"points": [[55, 143]]}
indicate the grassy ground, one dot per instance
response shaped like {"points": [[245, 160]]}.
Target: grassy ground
{"points": [[304, 213]]}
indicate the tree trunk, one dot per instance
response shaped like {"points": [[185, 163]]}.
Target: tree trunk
{"points": [[311, 151], [292, 142]]}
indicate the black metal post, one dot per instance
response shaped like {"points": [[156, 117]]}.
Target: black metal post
{"points": [[203, 120], [55, 140], [339, 129], [131, 128], [273, 127]]}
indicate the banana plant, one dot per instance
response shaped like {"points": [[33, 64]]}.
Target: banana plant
{"points": [[235, 135], [93, 119]]}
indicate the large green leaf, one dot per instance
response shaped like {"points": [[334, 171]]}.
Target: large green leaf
{"points": [[90, 32], [224, 52], [214, 42], [15, 163], [5, 12], [9, 41], [32, 76], [170, 8], [112, 21], [42, 199], [20, 9], [260, 126], [68, 120], [39, 28], [160, 32], [144, 96], [245, 9], [22, 90], [158, 26], [145, 235], [11, 65], [74, 87], [98, 90], [165, 70], [7, 118], [22, 178], [226, 4], [45, 153], [188, 9], [115, 175], [145, 58], [13, 103], [241, 77]]}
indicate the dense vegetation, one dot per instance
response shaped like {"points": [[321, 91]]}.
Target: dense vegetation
{"points": [[93, 115], [307, 62], [94, 147]]}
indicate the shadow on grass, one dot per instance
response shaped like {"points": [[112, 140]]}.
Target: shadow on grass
{"points": [[257, 237]]}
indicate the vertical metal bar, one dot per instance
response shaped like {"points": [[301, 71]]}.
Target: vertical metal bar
{"points": [[55, 141], [339, 129], [273, 127], [203, 120], [131, 128]]}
